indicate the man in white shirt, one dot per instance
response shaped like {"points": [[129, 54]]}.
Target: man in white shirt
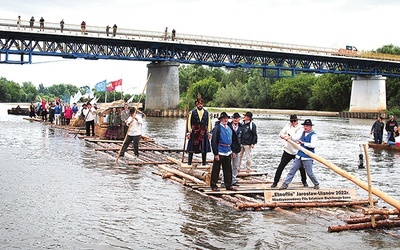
{"points": [[289, 151], [134, 123], [89, 118], [307, 139]]}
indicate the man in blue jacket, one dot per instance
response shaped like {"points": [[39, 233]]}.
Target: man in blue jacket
{"points": [[222, 143]]}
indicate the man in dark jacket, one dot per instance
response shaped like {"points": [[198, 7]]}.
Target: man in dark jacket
{"points": [[248, 139], [390, 124], [222, 142]]}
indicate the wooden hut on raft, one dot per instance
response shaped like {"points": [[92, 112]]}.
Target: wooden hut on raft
{"points": [[101, 120]]}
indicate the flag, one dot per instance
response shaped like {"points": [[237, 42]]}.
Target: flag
{"points": [[116, 83], [101, 86], [110, 87], [130, 99]]}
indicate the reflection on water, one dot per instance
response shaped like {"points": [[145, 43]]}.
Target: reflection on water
{"points": [[57, 192]]}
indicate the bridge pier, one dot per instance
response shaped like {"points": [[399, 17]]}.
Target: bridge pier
{"points": [[368, 94], [163, 88]]}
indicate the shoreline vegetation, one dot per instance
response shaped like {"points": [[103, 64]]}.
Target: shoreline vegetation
{"points": [[262, 112]]}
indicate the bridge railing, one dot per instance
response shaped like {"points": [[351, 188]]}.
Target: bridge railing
{"points": [[123, 33]]}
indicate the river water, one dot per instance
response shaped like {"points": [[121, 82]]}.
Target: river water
{"points": [[56, 192]]}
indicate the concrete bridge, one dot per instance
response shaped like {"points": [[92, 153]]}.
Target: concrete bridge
{"points": [[19, 43]]}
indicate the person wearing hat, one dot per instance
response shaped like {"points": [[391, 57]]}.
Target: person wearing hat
{"points": [[134, 123], [89, 118], [222, 142], [236, 128], [289, 151], [307, 139], [248, 138], [390, 124], [198, 132]]}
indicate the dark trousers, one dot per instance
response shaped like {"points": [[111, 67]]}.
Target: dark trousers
{"points": [[285, 159], [203, 158], [128, 141], [378, 138], [88, 125], [225, 161]]}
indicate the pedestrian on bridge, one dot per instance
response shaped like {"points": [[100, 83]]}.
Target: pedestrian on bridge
{"points": [[173, 35], [31, 22], [114, 29], [62, 25], [41, 24], [166, 33], [19, 22], [108, 30], [83, 27]]}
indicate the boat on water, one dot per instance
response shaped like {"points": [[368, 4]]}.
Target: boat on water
{"points": [[385, 146], [18, 111]]}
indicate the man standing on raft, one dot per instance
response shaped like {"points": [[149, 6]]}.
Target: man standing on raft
{"points": [[199, 128]]}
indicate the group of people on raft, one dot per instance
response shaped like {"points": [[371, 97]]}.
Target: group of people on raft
{"points": [[231, 141]]}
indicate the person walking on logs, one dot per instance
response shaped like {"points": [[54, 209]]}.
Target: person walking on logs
{"points": [[199, 127], [307, 139], [223, 141], [134, 122], [62, 25], [289, 151]]}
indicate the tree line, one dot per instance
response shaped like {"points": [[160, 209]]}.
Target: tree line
{"points": [[239, 87]]}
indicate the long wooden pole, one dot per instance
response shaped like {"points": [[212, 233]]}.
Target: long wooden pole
{"points": [[187, 121], [137, 106], [371, 203], [390, 200]]}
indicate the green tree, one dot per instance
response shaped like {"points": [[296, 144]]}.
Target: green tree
{"points": [[331, 92], [207, 88], [292, 93]]}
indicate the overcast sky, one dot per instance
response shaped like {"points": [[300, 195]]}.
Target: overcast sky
{"points": [[366, 24]]}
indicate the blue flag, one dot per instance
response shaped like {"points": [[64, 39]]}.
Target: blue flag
{"points": [[101, 86]]}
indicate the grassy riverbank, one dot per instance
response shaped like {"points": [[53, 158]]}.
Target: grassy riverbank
{"points": [[262, 112]]}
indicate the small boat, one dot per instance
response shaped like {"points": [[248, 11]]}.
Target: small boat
{"points": [[385, 146], [18, 111]]}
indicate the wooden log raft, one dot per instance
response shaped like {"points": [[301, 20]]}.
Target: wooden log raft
{"points": [[181, 174], [302, 204], [366, 225], [383, 211], [365, 219], [395, 203]]}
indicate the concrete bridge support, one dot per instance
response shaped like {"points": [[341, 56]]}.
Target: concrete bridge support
{"points": [[368, 94], [163, 88]]}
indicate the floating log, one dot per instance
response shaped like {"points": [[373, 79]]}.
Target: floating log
{"points": [[366, 225], [303, 204], [181, 174], [370, 211], [142, 149], [366, 219], [348, 176]]}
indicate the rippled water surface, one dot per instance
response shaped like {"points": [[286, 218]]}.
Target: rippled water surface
{"points": [[56, 192]]}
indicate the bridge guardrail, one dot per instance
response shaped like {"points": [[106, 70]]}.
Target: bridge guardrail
{"points": [[123, 33]]}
